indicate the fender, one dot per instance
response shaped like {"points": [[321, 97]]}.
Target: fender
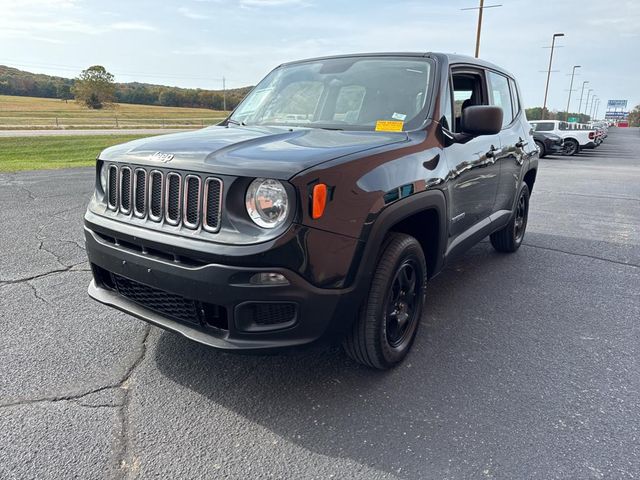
{"points": [[375, 231]]}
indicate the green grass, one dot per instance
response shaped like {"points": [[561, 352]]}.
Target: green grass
{"points": [[53, 152], [31, 112]]}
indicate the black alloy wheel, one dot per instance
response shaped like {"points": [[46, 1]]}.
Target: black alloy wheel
{"points": [[510, 237], [401, 303], [389, 317], [570, 147]]}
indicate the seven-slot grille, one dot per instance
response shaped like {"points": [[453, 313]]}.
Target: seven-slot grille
{"points": [[177, 199]]}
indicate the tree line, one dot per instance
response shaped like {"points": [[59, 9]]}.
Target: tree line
{"points": [[19, 82]]}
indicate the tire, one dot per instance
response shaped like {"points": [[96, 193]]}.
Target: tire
{"points": [[509, 239], [388, 320], [541, 149], [571, 147]]}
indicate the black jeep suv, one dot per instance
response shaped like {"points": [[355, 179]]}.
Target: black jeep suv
{"points": [[320, 208]]}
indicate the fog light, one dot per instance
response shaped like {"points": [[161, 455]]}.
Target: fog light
{"points": [[268, 278]]}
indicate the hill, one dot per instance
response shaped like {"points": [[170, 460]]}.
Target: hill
{"points": [[14, 81]]}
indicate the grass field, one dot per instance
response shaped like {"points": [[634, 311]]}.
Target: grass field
{"points": [[39, 153], [30, 112]]}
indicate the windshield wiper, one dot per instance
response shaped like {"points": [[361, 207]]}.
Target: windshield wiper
{"points": [[235, 122]]}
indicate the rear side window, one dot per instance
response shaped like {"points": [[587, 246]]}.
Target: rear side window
{"points": [[515, 98], [447, 119], [501, 96], [543, 127]]}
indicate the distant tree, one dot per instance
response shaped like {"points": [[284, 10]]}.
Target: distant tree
{"points": [[634, 117], [94, 87], [64, 92], [168, 97]]}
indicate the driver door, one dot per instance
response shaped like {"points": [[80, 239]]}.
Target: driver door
{"points": [[472, 167]]}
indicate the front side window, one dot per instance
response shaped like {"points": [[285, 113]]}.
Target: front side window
{"points": [[501, 96], [341, 93]]}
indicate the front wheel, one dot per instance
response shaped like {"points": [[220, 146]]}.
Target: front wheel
{"points": [[571, 147], [510, 238], [384, 331]]}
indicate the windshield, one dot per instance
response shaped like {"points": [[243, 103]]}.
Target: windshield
{"points": [[388, 94]]}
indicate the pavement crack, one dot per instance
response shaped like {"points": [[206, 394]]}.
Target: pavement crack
{"points": [[123, 463], [37, 295], [56, 398], [4, 283], [593, 257]]}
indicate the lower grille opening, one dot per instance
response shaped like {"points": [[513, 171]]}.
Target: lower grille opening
{"points": [[260, 316], [175, 307]]}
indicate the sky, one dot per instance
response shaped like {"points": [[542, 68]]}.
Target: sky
{"points": [[195, 43]]}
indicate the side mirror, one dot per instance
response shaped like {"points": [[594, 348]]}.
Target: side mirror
{"points": [[481, 120]]}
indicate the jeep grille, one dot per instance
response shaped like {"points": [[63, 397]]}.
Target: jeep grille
{"points": [[188, 200]]}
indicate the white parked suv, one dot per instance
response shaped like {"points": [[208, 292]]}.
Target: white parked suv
{"points": [[574, 139]]}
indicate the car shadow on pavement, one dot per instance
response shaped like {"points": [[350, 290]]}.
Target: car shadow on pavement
{"points": [[502, 352], [406, 421]]}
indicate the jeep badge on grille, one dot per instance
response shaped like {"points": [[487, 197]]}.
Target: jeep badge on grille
{"points": [[162, 157]]}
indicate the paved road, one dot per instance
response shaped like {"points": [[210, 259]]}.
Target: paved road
{"points": [[526, 365], [107, 131]]}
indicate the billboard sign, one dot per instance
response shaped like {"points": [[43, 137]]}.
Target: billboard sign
{"points": [[616, 115], [613, 104]]}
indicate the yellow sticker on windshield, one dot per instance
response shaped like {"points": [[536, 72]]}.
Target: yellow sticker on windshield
{"points": [[389, 126]]}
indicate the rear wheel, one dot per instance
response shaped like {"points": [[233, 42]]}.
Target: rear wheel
{"points": [[541, 150], [388, 321], [571, 147], [510, 238]]}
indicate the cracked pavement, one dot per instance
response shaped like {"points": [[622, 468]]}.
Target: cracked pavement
{"points": [[526, 365]]}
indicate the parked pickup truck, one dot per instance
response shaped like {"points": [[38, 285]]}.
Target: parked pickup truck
{"points": [[320, 209], [574, 139]]}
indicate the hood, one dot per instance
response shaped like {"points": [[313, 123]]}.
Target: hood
{"points": [[275, 152]]}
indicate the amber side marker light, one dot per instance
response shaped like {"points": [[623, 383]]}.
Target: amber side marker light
{"points": [[319, 200]]}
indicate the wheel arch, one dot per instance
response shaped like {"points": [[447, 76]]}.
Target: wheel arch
{"points": [[530, 178], [422, 216]]}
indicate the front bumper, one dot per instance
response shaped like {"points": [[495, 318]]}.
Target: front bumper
{"points": [[554, 147], [209, 285]]}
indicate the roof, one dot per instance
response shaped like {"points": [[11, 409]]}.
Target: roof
{"points": [[452, 58]]}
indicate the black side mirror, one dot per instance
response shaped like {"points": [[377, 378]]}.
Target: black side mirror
{"points": [[481, 120]]}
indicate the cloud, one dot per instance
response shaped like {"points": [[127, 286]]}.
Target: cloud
{"points": [[140, 26], [272, 3], [187, 12]]}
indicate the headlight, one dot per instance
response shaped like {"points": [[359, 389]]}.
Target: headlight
{"points": [[267, 202], [104, 173]]}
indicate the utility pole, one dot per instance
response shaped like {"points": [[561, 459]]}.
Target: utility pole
{"points": [[546, 89], [480, 9], [224, 94], [573, 72], [580, 106], [587, 102]]}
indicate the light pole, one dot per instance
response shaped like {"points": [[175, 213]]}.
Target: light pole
{"points": [[593, 104], [597, 108], [587, 102], [480, 9], [573, 72], [580, 106], [546, 89]]}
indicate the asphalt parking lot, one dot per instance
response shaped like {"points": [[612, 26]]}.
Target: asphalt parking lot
{"points": [[526, 365]]}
